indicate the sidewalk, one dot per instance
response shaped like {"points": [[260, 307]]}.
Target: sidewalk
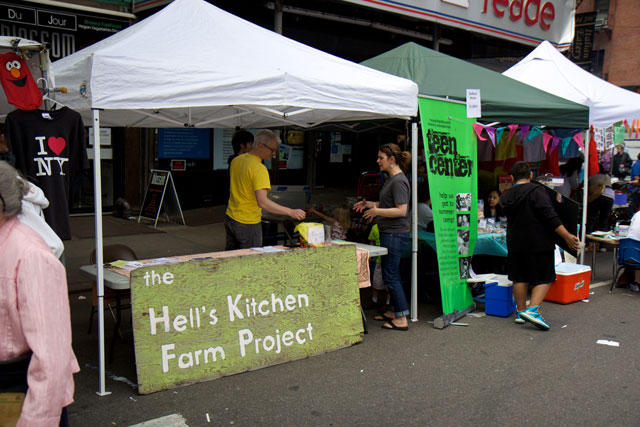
{"points": [[482, 374]]}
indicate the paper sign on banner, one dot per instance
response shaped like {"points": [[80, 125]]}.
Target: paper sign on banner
{"points": [[474, 105]]}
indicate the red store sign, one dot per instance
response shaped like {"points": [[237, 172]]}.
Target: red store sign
{"points": [[523, 21]]}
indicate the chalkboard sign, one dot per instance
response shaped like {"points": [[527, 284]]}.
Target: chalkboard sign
{"points": [[161, 192]]}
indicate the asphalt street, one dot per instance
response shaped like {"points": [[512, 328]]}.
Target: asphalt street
{"points": [[490, 373]]}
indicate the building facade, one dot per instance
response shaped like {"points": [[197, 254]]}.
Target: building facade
{"points": [[616, 35]]}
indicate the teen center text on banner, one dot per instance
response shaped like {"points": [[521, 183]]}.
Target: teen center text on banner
{"points": [[451, 157]]}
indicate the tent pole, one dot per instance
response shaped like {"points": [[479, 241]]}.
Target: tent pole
{"points": [[414, 222], [585, 187], [97, 198], [277, 17]]}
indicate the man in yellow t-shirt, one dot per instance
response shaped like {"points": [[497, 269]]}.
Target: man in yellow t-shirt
{"points": [[248, 194]]}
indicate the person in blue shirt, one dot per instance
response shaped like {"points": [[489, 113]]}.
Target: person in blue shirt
{"points": [[634, 185]]}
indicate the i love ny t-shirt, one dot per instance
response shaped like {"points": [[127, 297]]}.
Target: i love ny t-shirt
{"points": [[49, 149]]}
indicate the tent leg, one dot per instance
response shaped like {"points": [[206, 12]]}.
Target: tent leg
{"points": [[97, 197], [585, 186], [414, 222]]}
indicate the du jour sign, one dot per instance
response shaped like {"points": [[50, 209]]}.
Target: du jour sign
{"points": [[199, 320], [523, 21], [63, 31]]}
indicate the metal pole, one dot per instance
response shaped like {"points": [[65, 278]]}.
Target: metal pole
{"points": [[97, 198], [414, 222], [277, 16], [585, 186]]}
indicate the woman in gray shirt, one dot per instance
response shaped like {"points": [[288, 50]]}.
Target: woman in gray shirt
{"points": [[391, 214]]}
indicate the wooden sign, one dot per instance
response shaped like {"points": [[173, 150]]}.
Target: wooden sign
{"points": [[200, 320], [161, 193]]}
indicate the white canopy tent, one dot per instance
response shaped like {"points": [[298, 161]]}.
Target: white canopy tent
{"points": [[549, 70], [192, 64]]}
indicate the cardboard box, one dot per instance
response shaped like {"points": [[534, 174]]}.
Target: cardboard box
{"points": [[571, 285], [499, 299]]}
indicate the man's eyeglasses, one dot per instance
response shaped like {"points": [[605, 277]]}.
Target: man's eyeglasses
{"points": [[273, 150]]}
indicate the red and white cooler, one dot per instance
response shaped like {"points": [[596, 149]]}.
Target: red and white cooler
{"points": [[571, 284]]}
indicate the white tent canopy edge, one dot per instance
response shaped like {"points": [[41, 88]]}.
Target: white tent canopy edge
{"points": [[233, 73]]}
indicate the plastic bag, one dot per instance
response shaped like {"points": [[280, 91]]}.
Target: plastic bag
{"points": [[311, 234]]}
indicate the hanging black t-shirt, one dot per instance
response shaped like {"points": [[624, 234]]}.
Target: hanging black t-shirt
{"points": [[49, 148]]}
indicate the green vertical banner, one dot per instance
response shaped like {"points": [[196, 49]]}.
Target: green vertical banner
{"points": [[451, 157]]}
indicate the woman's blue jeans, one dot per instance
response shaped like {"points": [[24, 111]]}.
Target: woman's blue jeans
{"points": [[395, 244]]}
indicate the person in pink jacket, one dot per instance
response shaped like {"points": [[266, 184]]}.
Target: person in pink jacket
{"points": [[36, 356]]}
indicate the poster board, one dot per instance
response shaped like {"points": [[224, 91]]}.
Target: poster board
{"points": [[184, 143], [161, 193], [451, 157], [200, 320]]}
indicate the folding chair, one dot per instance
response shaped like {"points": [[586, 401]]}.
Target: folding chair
{"points": [[628, 256]]}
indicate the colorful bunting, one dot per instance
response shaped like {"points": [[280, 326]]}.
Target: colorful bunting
{"points": [[545, 140], [512, 130], [594, 167], [578, 139], [478, 128], [554, 142], [565, 145], [524, 130], [491, 131], [535, 131], [499, 134]]}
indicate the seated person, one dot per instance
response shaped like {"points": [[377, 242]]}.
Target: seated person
{"points": [[492, 207], [634, 233], [634, 185], [621, 163], [425, 214], [600, 202]]}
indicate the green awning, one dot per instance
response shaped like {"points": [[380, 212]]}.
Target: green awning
{"points": [[503, 99]]}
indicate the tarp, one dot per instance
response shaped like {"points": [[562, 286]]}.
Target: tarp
{"points": [[549, 70], [193, 64], [503, 99]]}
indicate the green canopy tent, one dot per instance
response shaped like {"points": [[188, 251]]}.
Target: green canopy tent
{"points": [[503, 100]]}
